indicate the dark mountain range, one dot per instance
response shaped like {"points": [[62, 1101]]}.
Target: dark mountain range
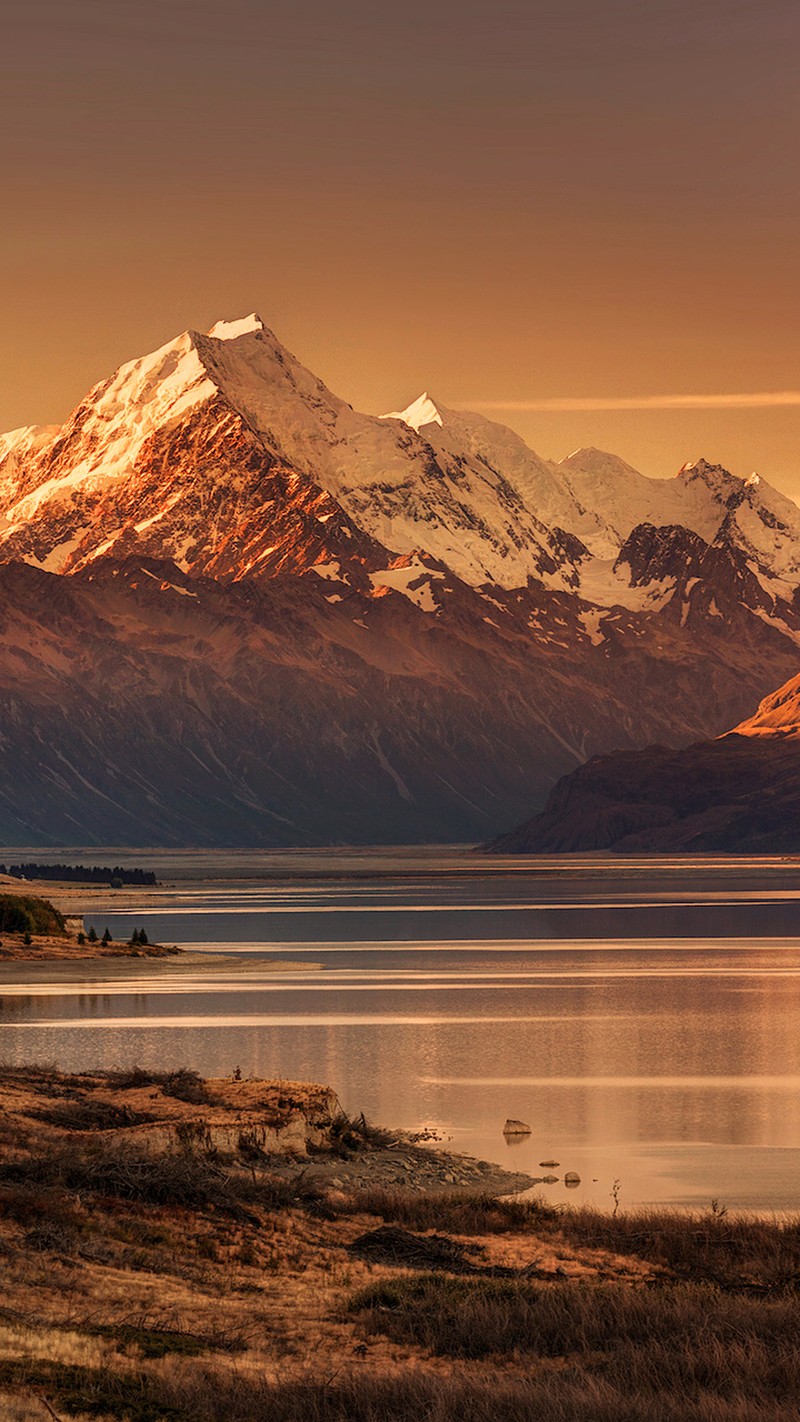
{"points": [[739, 793]]}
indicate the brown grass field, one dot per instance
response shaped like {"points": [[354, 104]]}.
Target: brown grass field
{"points": [[193, 1284]]}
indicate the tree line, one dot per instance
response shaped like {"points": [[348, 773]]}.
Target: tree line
{"points": [[77, 873]]}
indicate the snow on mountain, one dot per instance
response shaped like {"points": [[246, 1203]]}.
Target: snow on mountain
{"points": [[223, 453], [758, 519], [221, 403], [231, 330], [421, 411], [17, 449], [414, 577], [618, 496]]}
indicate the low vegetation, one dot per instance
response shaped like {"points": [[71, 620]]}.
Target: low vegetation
{"points": [[33, 928], [744, 1254], [201, 1285], [24, 914]]}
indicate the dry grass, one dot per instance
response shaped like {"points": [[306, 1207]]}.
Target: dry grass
{"points": [[194, 1287], [182, 1084], [460, 1212], [733, 1253], [473, 1318], [205, 1394]]}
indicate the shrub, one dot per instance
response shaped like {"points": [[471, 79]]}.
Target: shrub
{"points": [[24, 914]]}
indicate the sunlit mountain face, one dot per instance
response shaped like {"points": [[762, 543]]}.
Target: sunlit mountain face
{"points": [[235, 610]]}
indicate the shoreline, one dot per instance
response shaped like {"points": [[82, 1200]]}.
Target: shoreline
{"points": [[17, 972]]}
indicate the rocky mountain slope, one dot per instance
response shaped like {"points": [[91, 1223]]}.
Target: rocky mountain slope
{"points": [[738, 793], [235, 610]]}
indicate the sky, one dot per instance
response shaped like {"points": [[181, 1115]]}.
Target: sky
{"points": [[581, 218]]}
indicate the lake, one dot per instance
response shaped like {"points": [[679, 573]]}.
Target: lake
{"points": [[643, 1016]]}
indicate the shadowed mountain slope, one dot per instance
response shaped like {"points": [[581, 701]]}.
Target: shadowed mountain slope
{"points": [[739, 793]]}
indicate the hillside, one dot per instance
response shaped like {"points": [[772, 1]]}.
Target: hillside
{"points": [[737, 794]]}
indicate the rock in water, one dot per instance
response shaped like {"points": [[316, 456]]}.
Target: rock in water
{"points": [[516, 1128]]}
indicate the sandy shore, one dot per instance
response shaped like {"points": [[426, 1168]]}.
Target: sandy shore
{"points": [[42, 969]]}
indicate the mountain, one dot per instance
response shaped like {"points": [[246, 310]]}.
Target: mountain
{"points": [[235, 610], [739, 793]]}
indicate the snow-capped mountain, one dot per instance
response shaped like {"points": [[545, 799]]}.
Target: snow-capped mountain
{"points": [[222, 452], [419, 600]]}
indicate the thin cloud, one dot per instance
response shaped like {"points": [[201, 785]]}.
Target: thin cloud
{"points": [[760, 400]]}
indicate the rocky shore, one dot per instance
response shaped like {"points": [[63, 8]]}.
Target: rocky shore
{"points": [[298, 1129], [402, 1164]]}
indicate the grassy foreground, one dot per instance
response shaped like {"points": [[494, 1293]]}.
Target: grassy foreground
{"points": [[198, 1284]]}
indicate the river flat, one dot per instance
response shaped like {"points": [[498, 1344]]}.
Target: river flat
{"points": [[643, 1016]]}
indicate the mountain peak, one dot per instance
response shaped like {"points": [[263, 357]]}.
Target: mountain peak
{"points": [[598, 464], [242, 326], [421, 411], [701, 468], [716, 476]]}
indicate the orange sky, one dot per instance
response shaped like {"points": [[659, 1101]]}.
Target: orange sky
{"points": [[523, 202]]}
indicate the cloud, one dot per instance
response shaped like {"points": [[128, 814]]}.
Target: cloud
{"points": [[760, 400]]}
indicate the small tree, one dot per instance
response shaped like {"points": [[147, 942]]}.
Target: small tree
{"points": [[81, 938], [27, 940], [92, 934], [143, 938], [134, 938], [106, 936]]}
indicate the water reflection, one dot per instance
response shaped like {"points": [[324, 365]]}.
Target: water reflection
{"points": [[645, 1023]]}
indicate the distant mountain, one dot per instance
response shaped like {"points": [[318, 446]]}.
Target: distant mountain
{"points": [[235, 610], [739, 793]]}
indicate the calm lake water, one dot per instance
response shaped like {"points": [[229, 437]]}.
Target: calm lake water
{"points": [[642, 1016]]}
